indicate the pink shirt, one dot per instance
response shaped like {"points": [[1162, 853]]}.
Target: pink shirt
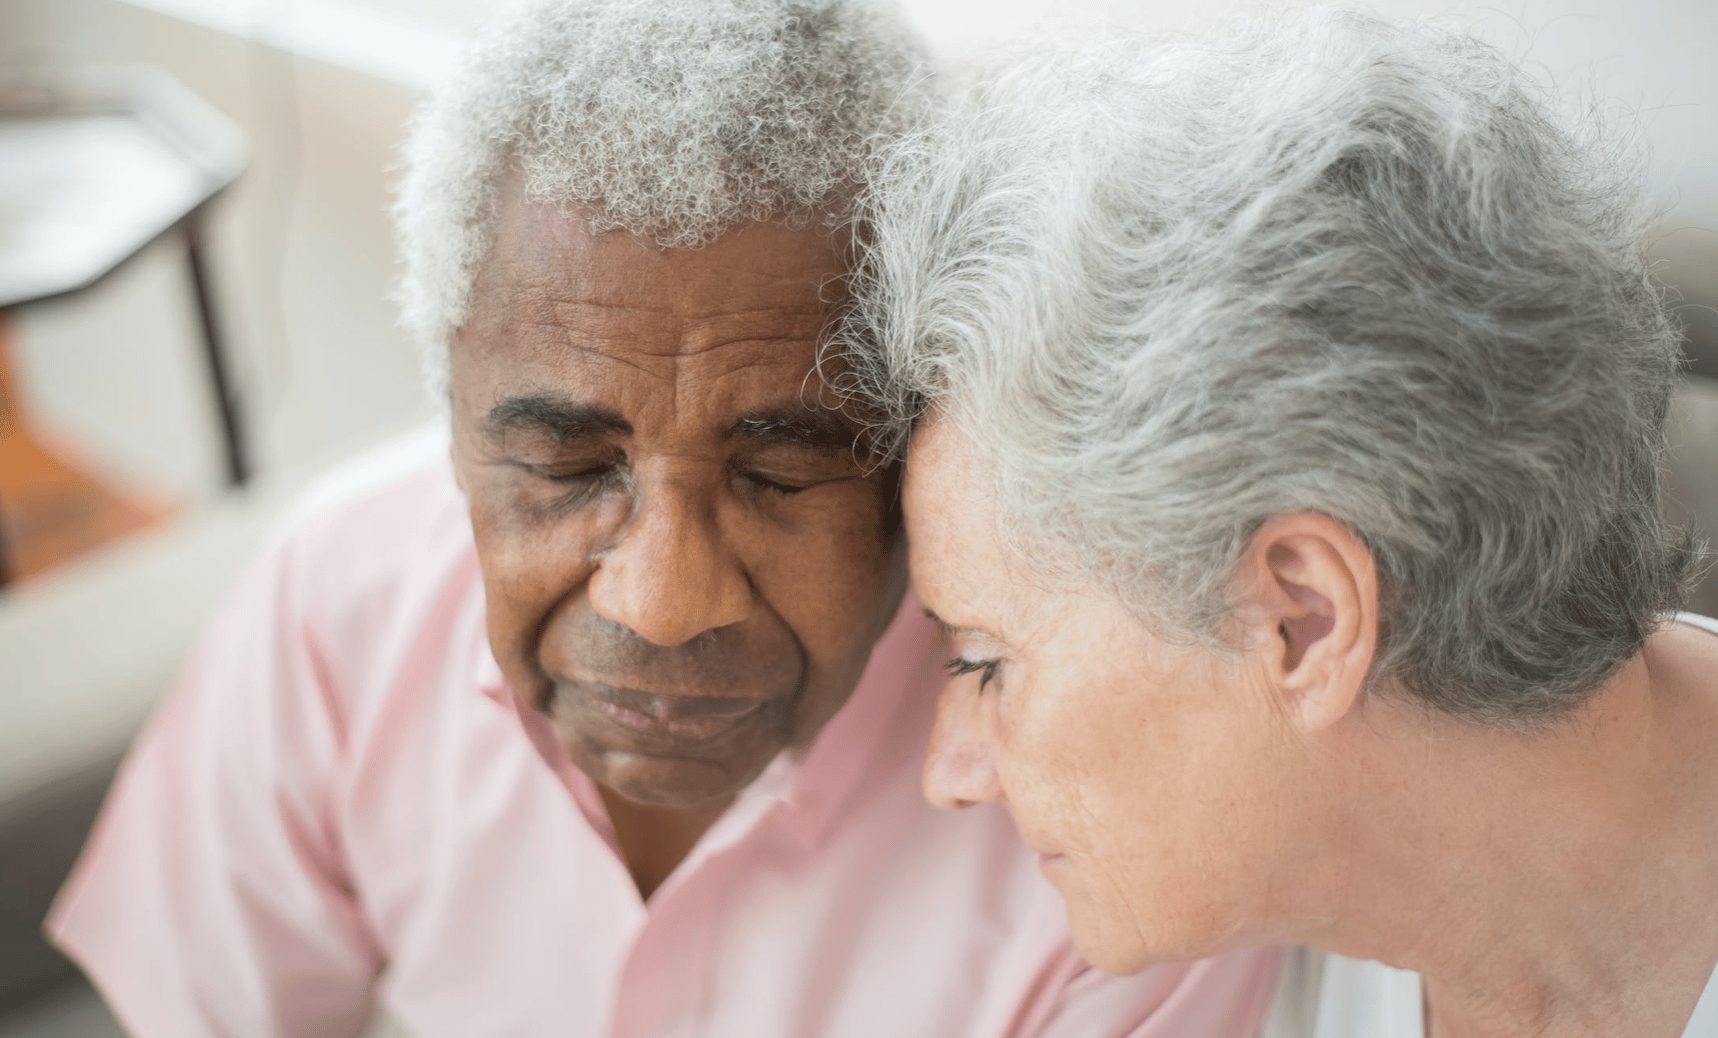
{"points": [[342, 802]]}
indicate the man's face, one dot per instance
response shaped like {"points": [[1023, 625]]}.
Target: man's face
{"points": [[685, 562]]}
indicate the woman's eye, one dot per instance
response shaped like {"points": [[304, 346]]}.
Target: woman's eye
{"points": [[985, 669]]}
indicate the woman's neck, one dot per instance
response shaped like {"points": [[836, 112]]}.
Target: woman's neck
{"points": [[1563, 882]]}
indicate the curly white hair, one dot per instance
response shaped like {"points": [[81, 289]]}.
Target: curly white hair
{"points": [[670, 119]]}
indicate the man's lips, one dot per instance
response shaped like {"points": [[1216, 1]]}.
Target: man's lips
{"points": [[686, 717]]}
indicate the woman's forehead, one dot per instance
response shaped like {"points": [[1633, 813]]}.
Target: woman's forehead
{"points": [[961, 569]]}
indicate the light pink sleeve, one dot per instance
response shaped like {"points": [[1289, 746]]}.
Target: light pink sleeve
{"points": [[210, 898], [1221, 997]]}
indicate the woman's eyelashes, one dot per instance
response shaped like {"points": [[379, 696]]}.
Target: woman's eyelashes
{"points": [[985, 669]]}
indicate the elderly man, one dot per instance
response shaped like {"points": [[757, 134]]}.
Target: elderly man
{"points": [[611, 726]]}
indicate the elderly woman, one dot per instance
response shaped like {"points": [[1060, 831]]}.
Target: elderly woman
{"points": [[1285, 475]]}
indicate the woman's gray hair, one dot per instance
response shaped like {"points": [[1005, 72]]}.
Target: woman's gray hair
{"points": [[1329, 263], [671, 119]]}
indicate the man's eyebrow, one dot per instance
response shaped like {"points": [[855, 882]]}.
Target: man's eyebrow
{"points": [[564, 419], [803, 427]]}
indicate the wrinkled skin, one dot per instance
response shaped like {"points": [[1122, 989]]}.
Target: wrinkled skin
{"points": [[1154, 780], [1187, 798], [686, 561]]}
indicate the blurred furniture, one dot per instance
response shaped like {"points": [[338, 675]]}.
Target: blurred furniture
{"points": [[92, 174], [85, 657]]}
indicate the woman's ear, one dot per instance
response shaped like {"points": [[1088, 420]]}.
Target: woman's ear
{"points": [[1315, 601]]}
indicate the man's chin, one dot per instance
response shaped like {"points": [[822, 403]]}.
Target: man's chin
{"points": [[671, 783]]}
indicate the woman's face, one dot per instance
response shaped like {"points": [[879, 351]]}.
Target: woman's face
{"points": [[1156, 780]]}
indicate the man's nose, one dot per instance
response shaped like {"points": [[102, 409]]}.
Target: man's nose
{"points": [[669, 576], [960, 767]]}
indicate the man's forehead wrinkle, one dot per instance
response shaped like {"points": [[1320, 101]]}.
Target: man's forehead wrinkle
{"points": [[735, 294], [804, 316], [560, 304], [532, 341], [573, 310], [516, 308], [659, 372], [701, 375], [767, 329], [697, 347], [663, 334], [748, 352]]}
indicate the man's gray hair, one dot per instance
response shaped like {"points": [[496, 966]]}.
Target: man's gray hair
{"points": [[1324, 263], [674, 120]]}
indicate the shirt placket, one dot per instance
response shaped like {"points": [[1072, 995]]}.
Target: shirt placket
{"points": [[664, 983]]}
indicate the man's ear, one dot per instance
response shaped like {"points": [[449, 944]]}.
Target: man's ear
{"points": [[1315, 599]]}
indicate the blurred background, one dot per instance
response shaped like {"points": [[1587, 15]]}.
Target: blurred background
{"points": [[195, 322]]}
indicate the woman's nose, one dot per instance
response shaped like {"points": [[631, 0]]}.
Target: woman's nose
{"points": [[960, 767]]}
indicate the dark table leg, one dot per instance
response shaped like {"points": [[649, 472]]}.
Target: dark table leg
{"points": [[220, 378]]}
